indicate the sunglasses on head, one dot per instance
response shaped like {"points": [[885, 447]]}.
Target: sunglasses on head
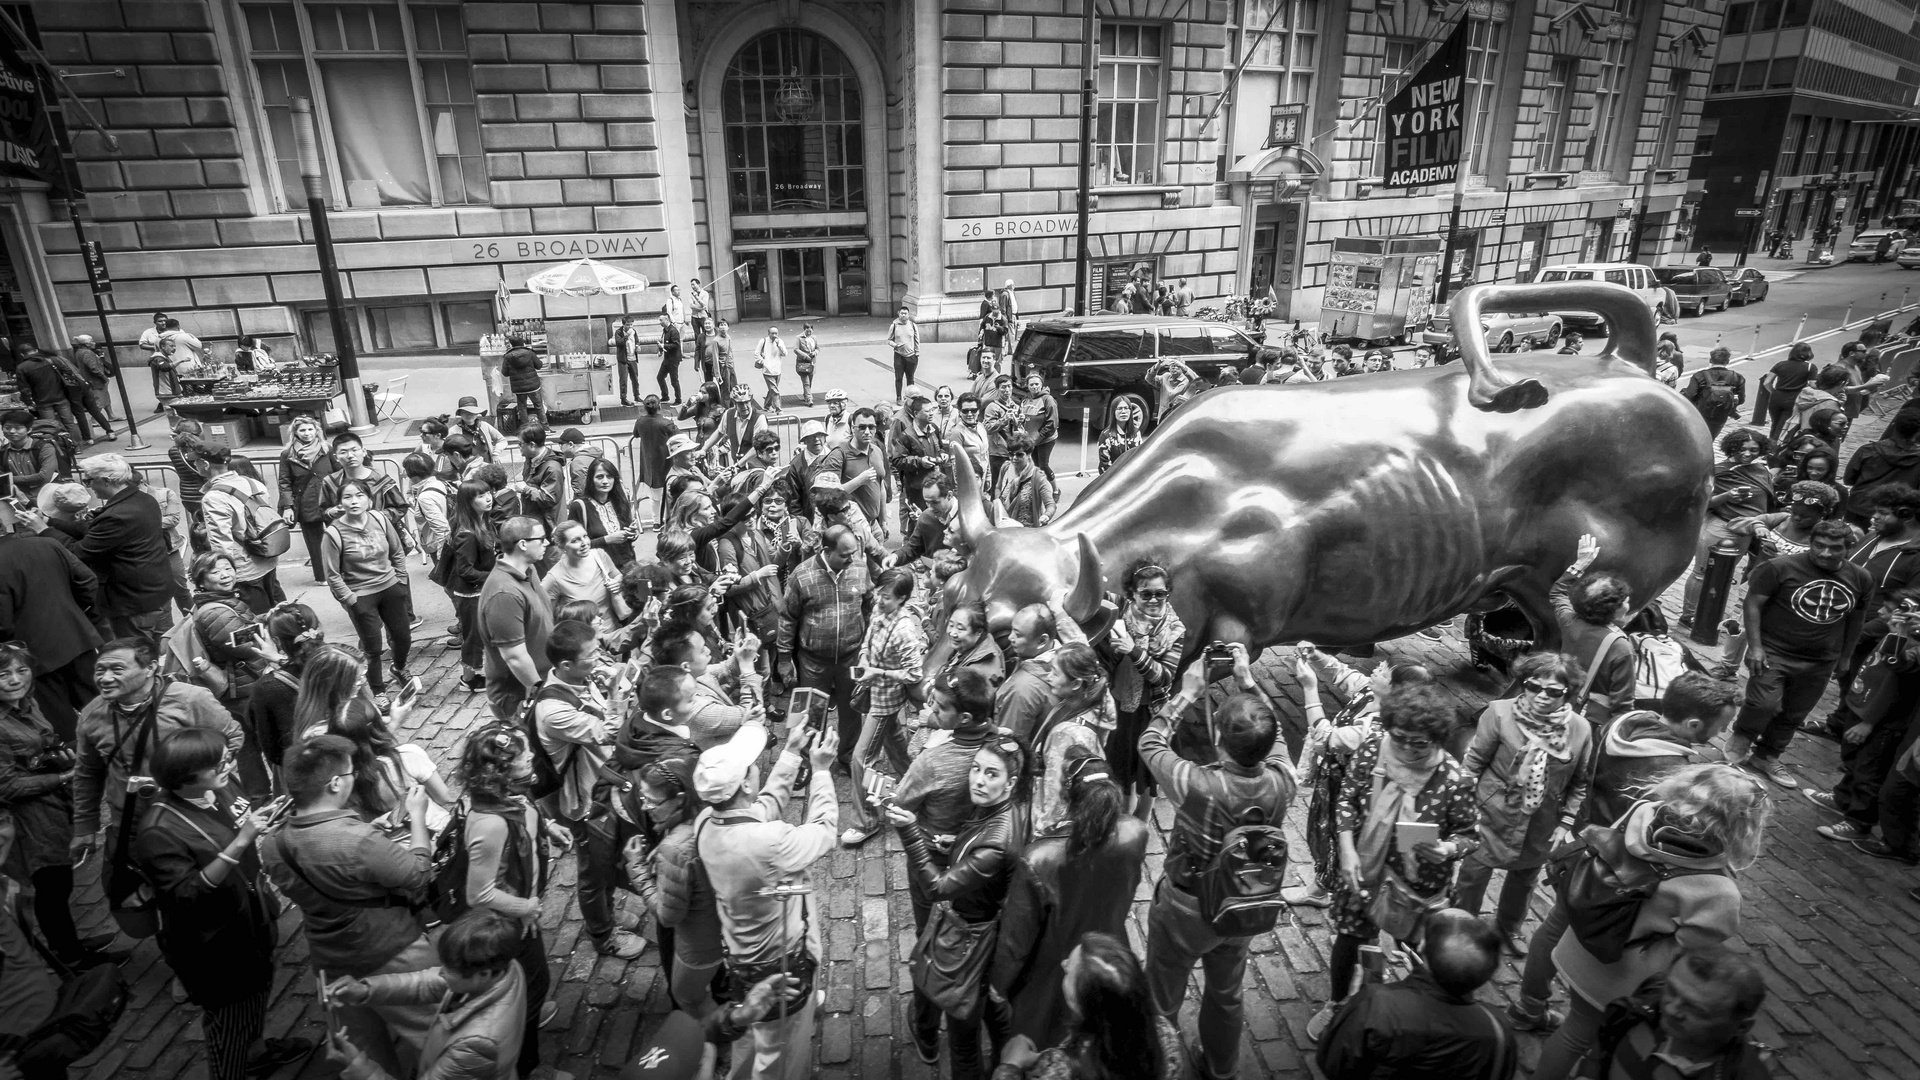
{"points": [[1535, 686]]}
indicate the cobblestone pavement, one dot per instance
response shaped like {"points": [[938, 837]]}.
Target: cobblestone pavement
{"points": [[1834, 930]]}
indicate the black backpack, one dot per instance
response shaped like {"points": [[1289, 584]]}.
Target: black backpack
{"points": [[447, 873], [65, 453], [88, 1005], [1239, 887], [546, 775], [1716, 394]]}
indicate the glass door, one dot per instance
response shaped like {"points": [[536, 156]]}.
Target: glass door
{"points": [[756, 294], [803, 282]]}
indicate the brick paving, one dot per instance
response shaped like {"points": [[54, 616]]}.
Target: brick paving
{"points": [[1835, 932]]}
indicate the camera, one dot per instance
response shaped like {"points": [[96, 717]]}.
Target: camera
{"points": [[56, 758], [1218, 654], [145, 787]]}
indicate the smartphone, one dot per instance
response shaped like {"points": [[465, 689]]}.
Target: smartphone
{"points": [[1410, 834], [809, 706], [880, 787], [253, 636], [6, 485], [410, 691]]}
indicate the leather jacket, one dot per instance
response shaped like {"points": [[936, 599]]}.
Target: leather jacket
{"points": [[980, 865]]}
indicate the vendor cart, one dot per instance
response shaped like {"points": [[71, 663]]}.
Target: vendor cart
{"points": [[235, 407], [1379, 288]]}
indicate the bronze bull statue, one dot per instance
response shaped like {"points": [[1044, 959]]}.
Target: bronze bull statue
{"points": [[1364, 509]]}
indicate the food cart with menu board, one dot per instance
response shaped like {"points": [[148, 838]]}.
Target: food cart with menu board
{"points": [[575, 368], [1379, 288]]}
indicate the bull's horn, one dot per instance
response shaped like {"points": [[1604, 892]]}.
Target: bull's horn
{"points": [[1084, 603], [970, 517]]}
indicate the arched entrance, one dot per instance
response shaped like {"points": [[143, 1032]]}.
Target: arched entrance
{"points": [[794, 176], [1272, 191]]}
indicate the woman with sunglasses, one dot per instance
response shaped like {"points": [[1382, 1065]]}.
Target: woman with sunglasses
{"points": [[217, 921], [1742, 487], [675, 886], [972, 882], [1402, 773], [1530, 759], [1330, 745], [1077, 877], [1142, 650]]}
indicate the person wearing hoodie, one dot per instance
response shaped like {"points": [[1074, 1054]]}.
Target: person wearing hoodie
{"points": [[1633, 753], [1893, 459], [1697, 828], [226, 507], [1827, 391]]}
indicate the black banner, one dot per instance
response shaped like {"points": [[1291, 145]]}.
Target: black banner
{"points": [[27, 147], [1425, 124]]}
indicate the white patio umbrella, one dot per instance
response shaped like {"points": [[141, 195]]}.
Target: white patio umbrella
{"points": [[586, 278]]}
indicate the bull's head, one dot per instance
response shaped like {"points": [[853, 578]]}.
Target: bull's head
{"points": [[1010, 567]]}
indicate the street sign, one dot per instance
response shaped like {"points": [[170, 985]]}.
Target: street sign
{"points": [[1747, 211], [96, 260]]}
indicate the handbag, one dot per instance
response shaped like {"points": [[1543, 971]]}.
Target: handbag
{"points": [[1399, 910], [1876, 689], [950, 961]]}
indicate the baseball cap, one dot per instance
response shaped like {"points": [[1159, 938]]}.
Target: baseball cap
{"points": [[811, 428], [722, 769], [680, 444], [676, 1052], [836, 395], [468, 404], [572, 435]]}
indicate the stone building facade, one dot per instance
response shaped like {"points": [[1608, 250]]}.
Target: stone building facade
{"points": [[817, 158]]}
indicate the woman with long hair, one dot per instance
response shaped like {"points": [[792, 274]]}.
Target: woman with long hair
{"points": [[506, 840], [1113, 1032], [367, 573], [972, 883], [603, 508], [1417, 781], [303, 464], [684, 907], [295, 631], [1123, 433], [1820, 466], [1330, 745], [584, 572], [890, 660], [475, 547], [1142, 650], [1081, 716], [1077, 877], [217, 921], [231, 670], [1530, 759], [334, 699], [1691, 835]]}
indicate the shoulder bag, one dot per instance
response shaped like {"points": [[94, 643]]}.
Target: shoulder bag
{"points": [[950, 961]]}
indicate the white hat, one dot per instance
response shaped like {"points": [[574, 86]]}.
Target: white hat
{"points": [[722, 769], [680, 444], [811, 428], [1009, 283]]}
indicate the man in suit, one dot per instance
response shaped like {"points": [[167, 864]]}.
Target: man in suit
{"points": [[125, 544]]}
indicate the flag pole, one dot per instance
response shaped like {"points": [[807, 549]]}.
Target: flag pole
{"points": [[1466, 165]]}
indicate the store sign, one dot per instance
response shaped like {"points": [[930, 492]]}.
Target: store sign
{"points": [[558, 247], [1283, 125], [27, 149], [1016, 227], [1426, 122]]}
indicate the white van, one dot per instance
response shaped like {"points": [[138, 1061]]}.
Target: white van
{"points": [[1660, 299]]}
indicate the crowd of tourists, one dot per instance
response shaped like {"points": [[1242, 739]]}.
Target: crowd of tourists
{"points": [[702, 679]]}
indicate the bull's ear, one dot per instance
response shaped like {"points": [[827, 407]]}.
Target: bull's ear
{"points": [[1083, 604]]}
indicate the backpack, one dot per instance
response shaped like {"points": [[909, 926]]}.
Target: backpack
{"points": [[1239, 887], [88, 1005], [1658, 659], [546, 775], [1716, 395], [65, 453], [267, 534], [1604, 887], [68, 371], [447, 872], [180, 648]]}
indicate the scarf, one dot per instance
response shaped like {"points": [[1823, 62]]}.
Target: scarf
{"points": [[1398, 786], [1160, 638], [1546, 731]]}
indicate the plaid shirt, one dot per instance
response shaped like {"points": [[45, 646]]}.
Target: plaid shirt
{"points": [[894, 642], [824, 614]]}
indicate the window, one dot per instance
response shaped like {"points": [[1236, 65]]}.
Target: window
{"points": [[1484, 40], [1780, 76], [1279, 66], [1678, 81], [1184, 341], [1127, 131], [1795, 13], [1399, 61], [394, 100], [408, 326], [1703, 141], [795, 137], [1609, 103], [1551, 137], [1753, 75], [467, 321], [1790, 146], [1766, 16], [1739, 17], [1724, 77]]}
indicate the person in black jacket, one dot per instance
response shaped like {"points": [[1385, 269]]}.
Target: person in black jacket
{"points": [[304, 465], [974, 883], [271, 703], [521, 368], [45, 392], [125, 544], [217, 923], [472, 546], [47, 598], [1427, 1024]]}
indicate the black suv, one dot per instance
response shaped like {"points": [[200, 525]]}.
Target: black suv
{"points": [[1089, 362]]}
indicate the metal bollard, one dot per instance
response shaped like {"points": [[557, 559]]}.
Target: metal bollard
{"points": [[1713, 595], [1086, 422]]}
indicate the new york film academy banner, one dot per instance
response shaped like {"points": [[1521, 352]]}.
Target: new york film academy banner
{"points": [[1426, 122]]}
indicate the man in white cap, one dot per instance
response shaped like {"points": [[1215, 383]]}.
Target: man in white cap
{"points": [[839, 426], [758, 866], [797, 481]]}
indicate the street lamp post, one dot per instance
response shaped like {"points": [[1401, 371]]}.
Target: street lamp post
{"points": [[307, 145], [1082, 256]]}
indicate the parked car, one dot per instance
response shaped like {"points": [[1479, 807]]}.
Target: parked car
{"points": [[1088, 362], [1909, 257], [1697, 289], [1865, 245], [1660, 299], [1503, 332], [1749, 286]]}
